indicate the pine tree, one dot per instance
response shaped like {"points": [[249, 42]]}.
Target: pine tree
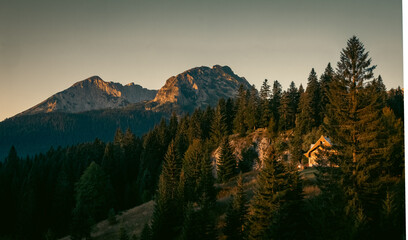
{"points": [[301, 90], [272, 186], [237, 213], [167, 215], [93, 192], [62, 201], [182, 138], [195, 126], [285, 112], [112, 163], [132, 148], [276, 105], [325, 224], [190, 229], [239, 120], [146, 233], [192, 170], [310, 106], [118, 137], [226, 162], [230, 115], [354, 124], [291, 213], [173, 124], [219, 127], [395, 101], [206, 190], [294, 103], [265, 93], [123, 233], [252, 111], [208, 117], [325, 80]]}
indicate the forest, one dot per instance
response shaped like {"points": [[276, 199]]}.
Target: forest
{"points": [[361, 195]]}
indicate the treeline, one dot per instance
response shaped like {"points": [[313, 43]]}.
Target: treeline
{"points": [[32, 134], [67, 190]]}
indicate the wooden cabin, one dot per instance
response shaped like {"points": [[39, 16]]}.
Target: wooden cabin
{"points": [[314, 150]]}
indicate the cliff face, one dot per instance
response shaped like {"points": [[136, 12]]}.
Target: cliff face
{"points": [[198, 87], [92, 94], [258, 142]]}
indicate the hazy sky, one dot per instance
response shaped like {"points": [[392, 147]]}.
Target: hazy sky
{"points": [[46, 46]]}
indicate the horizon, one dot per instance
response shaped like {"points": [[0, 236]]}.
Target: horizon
{"points": [[46, 47]]}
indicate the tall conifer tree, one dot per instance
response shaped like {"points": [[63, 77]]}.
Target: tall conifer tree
{"points": [[237, 213], [310, 106], [325, 80], [227, 162], [276, 102], [168, 214], [265, 104], [241, 103], [272, 185], [354, 125]]}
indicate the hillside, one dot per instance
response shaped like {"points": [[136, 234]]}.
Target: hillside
{"points": [[134, 219]]}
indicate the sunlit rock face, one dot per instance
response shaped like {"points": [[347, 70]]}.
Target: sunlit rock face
{"points": [[93, 94], [198, 87]]}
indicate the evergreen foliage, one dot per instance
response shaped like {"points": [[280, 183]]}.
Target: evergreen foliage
{"points": [[265, 103], [249, 156], [325, 80], [236, 213], [276, 103], [272, 183], [395, 101], [252, 113], [146, 233], [227, 163], [219, 128], [167, 215], [192, 162], [93, 194], [355, 125], [241, 103], [288, 108], [310, 106]]}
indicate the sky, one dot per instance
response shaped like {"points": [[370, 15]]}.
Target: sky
{"points": [[47, 46]]}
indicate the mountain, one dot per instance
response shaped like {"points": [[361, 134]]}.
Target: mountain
{"points": [[92, 94], [93, 108], [198, 87]]}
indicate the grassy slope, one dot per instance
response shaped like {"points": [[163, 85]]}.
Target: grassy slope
{"points": [[134, 219]]}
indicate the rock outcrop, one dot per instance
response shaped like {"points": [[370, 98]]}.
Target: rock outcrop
{"points": [[198, 87]]}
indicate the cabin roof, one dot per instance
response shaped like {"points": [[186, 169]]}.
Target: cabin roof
{"points": [[322, 140]]}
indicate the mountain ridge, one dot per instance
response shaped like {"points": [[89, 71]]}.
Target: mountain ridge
{"points": [[93, 108], [90, 94]]}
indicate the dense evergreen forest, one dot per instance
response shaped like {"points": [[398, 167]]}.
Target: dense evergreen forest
{"points": [[36, 133], [65, 191]]}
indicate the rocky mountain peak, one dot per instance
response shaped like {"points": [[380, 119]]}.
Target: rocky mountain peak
{"points": [[91, 94], [199, 87]]}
